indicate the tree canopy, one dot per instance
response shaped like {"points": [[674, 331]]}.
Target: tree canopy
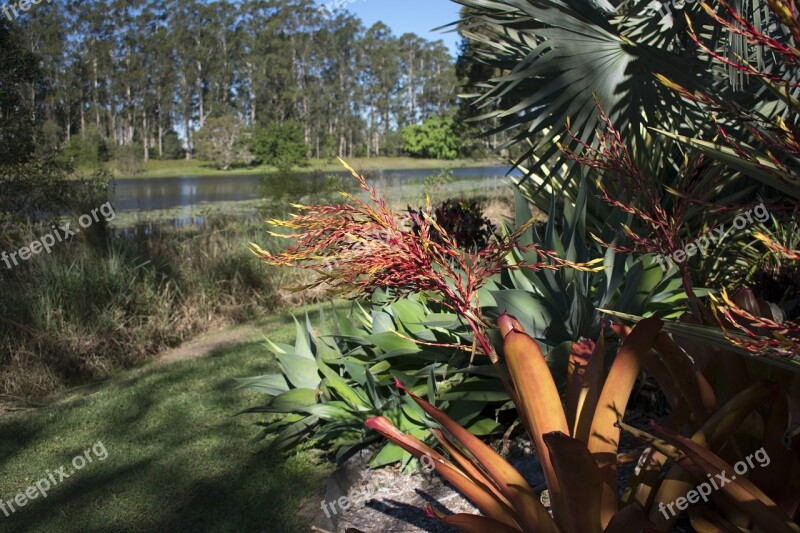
{"points": [[141, 72]]}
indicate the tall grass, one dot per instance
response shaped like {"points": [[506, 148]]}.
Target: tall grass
{"points": [[110, 299]]}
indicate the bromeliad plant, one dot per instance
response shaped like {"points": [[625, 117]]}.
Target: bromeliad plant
{"points": [[578, 446], [361, 247]]}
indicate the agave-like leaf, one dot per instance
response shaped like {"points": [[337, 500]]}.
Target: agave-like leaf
{"points": [[271, 384], [293, 434]]}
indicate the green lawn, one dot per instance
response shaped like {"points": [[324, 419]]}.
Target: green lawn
{"points": [[177, 460], [166, 169]]}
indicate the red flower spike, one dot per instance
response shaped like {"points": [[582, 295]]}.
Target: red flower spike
{"points": [[361, 247]]}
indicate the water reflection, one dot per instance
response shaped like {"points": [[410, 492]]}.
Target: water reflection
{"points": [[187, 198]]}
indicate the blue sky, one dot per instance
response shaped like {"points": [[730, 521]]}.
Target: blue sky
{"points": [[416, 16]]}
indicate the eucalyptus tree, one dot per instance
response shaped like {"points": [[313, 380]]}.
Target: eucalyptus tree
{"points": [[140, 72], [18, 77], [380, 75]]}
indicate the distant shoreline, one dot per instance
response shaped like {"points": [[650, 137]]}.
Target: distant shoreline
{"points": [[177, 168]]}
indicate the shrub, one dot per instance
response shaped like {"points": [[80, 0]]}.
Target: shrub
{"points": [[43, 191], [129, 159], [223, 141], [461, 219], [172, 146], [437, 137], [280, 144], [89, 149]]}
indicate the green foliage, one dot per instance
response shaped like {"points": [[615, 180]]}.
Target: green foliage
{"points": [[89, 149], [347, 82], [341, 372], [438, 137], [44, 190], [280, 144], [49, 140], [561, 306], [542, 64], [433, 183], [172, 146], [223, 141]]}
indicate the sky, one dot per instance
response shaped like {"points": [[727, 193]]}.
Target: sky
{"points": [[415, 16]]}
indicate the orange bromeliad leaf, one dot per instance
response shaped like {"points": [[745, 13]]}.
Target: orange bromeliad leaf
{"points": [[580, 481], [604, 435], [712, 434], [686, 377], [469, 466], [532, 514], [477, 493], [739, 489], [590, 392], [631, 518], [539, 404], [470, 523], [579, 359]]}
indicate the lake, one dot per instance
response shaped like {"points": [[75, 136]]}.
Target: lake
{"points": [[151, 194]]}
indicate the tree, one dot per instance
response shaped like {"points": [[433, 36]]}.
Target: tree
{"points": [[437, 137], [223, 141], [136, 70], [18, 74], [280, 145]]}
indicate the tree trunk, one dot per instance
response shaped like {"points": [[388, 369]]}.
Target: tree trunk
{"points": [[95, 99], [199, 88], [83, 119], [159, 123], [145, 137]]}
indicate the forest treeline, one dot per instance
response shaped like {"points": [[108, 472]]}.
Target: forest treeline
{"points": [[145, 76]]}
